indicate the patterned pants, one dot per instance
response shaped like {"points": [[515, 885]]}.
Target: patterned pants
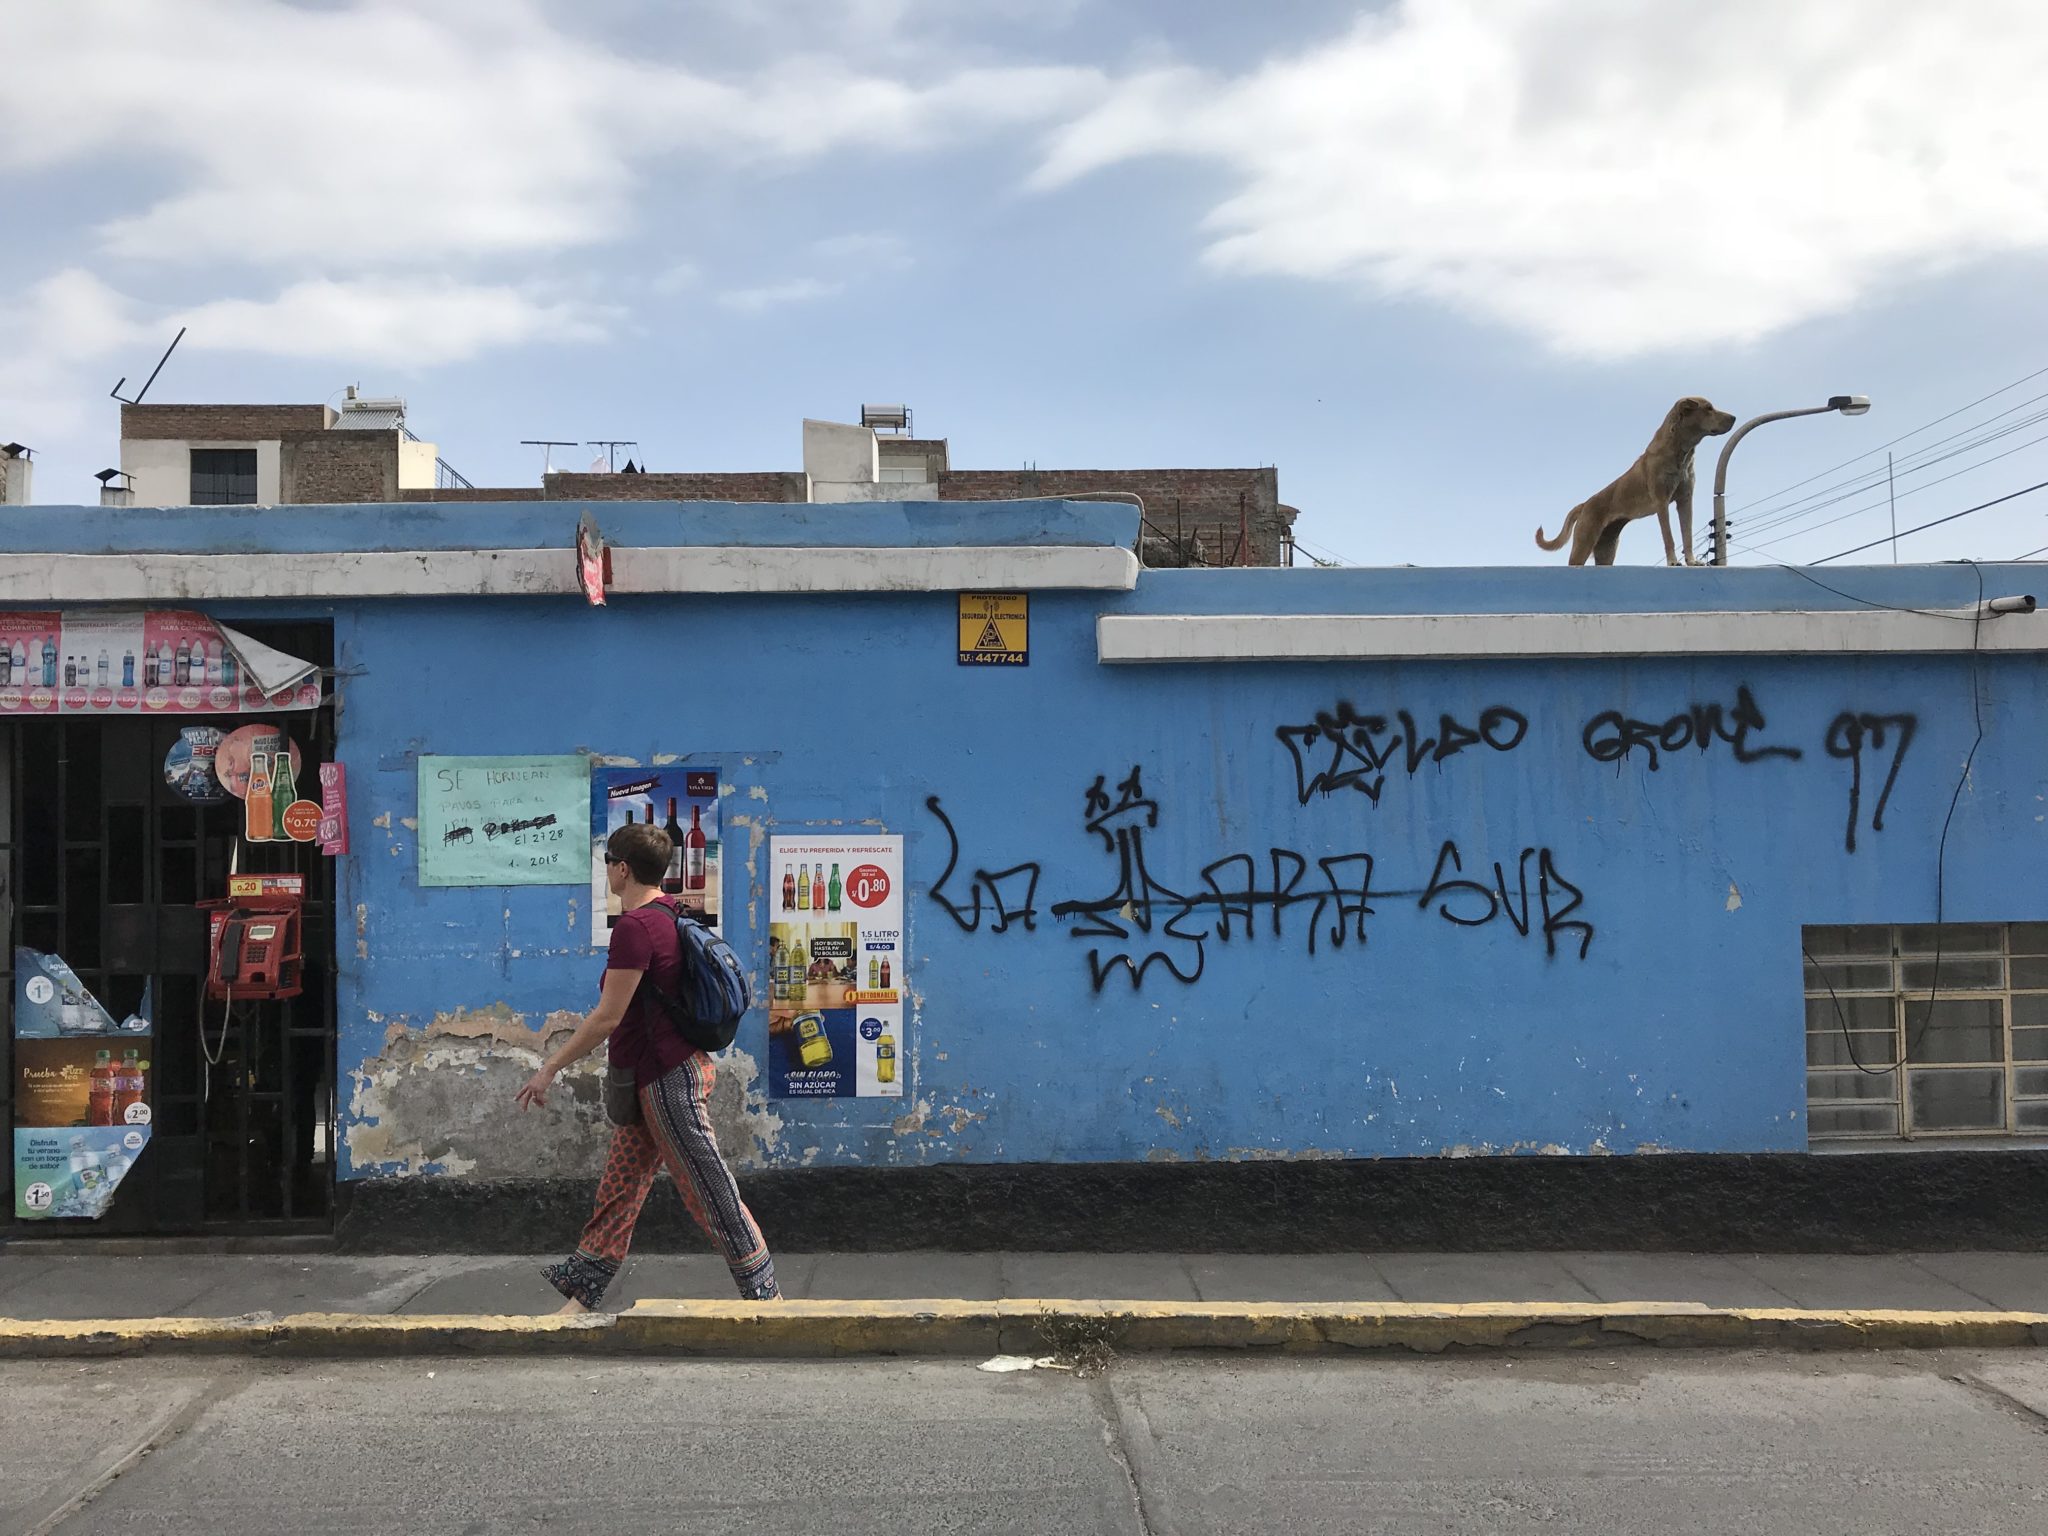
{"points": [[675, 1132]]}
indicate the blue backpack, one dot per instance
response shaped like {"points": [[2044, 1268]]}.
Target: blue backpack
{"points": [[714, 993]]}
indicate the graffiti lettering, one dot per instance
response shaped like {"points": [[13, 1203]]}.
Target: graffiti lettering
{"points": [[1009, 904], [1153, 925], [1611, 736], [1342, 749], [1557, 918], [1848, 735]]}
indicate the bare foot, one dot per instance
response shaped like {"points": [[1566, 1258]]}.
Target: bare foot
{"points": [[571, 1308]]}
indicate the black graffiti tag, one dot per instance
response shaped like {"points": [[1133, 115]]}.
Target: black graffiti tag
{"points": [[1343, 749], [1848, 735], [1612, 736]]}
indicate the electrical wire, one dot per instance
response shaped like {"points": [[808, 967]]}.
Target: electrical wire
{"points": [[1880, 448], [1911, 463], [1913, 1041], [1995, 501], [1887, 500], [1941, 848], [2043, 550]]}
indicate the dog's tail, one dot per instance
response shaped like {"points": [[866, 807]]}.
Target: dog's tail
{"points": [[1564, 531]]}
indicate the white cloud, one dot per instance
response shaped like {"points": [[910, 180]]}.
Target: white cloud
{"points": [[406, 321], [393, 132], [801, 290], [1611, 177]]}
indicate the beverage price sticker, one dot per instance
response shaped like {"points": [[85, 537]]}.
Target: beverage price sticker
{"points": [[868, 885]]}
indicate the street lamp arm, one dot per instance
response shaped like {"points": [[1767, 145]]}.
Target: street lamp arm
{"points": [[1721, 465]]}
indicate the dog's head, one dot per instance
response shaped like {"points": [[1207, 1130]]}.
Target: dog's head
{"points": [[1697, 418]]}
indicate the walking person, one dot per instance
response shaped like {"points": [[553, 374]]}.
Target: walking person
{"points": [[671, 1082]]}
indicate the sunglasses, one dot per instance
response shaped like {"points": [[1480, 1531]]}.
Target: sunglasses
{"points": [[611, 859]]}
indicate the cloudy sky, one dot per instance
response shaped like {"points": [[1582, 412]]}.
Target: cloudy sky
{"points": [[1444, 262]]}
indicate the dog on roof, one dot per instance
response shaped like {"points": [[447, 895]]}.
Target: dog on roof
{"points": [[1661, 476]]}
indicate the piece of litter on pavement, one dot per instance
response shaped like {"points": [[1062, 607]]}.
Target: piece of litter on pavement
{"points": [[1022, 1363]]}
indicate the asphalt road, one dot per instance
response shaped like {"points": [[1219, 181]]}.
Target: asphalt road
{"points": [[1632, 1442]]}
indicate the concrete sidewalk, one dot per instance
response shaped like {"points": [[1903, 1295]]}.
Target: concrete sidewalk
{"points": [[72, 1285]]}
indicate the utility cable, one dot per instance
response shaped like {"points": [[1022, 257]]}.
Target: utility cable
{"points": [[1936, 523], [1880, 448]]}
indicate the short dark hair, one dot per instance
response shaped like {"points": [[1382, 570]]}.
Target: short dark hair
{"points": [[644, 849]]}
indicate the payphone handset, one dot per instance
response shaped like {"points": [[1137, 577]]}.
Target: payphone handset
{"points": [[254, 948]]}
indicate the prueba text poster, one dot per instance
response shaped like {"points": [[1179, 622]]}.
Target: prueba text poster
{"points": [[81, 1093], [836, 978], [683, 802]]}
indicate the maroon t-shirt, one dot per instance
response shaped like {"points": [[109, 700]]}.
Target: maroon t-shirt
{"points": [[646, 1039]]}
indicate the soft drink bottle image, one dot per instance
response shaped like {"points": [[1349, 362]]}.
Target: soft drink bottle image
{"points": [[100, 1090], [813, 1048], [885, 1059]]}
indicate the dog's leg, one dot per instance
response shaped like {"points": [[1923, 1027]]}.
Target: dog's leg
{"points": [[1684, 519], [1610, 542], [1584, 537], [1664, 527]]}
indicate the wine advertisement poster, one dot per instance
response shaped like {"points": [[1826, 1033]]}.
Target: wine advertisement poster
{"points": [[836, 979], [683, 802]]}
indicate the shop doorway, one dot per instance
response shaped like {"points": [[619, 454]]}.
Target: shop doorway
{"points": [[102, 862]]}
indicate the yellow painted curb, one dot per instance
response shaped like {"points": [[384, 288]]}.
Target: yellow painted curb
{"points": [[828, 1329]]}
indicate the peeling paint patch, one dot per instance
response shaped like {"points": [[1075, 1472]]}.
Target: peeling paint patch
{"points": [[383, 821], [758, 792], [1168, 1116], [410, 823], [663, 759], [912, 1123], [1734, 897]]}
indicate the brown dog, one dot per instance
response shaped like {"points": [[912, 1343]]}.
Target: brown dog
{"points": [[1661, 476]]}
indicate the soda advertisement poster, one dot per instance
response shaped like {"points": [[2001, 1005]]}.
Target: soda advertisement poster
{"points": [[132, 662], [836, 978], [81, 1093], [683, 802]]}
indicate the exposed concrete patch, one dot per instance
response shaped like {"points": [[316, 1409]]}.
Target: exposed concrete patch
{"points": [[383, 821], [1734, 897], [410, 823], [912, 1123], [441, 1100], [743, 1117]]}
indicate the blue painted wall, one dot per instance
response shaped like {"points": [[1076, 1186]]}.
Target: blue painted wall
{"points": [[1672, 1021]]}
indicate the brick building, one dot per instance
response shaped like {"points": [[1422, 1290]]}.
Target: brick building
{"points": [[179, 455]]}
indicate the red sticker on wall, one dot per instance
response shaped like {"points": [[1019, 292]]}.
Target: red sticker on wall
{"points": [[868, 885]]}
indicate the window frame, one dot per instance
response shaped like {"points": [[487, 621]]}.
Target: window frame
{"points": [[1837, 977], [219, 499]]}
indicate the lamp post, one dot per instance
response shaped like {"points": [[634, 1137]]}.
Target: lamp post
{"points": [[1848, 405]]}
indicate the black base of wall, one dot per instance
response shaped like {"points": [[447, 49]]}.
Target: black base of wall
{"points": [[1875, 1203]]}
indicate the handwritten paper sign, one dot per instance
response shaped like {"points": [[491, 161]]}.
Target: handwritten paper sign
{"points": [[504, 820]]}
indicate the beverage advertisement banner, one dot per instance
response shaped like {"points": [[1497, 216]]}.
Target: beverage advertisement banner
{"points": [[81, 1093], [503, 820], [135, 662], [836, 963], [683, 802]]}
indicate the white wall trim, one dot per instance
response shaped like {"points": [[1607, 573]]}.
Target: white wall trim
{"points": [[1170, 637], [55, 579]]}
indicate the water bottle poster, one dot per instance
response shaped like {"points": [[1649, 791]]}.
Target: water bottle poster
{"points": [[131, 662], [836, 979], [81, 1093], [683, 802]]}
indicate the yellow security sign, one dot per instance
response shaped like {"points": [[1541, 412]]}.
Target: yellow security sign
{"points": [[995, 629]]}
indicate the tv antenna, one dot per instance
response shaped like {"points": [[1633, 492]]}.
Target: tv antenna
{"points": [[159, 368], [611, 447], [547, 447]]}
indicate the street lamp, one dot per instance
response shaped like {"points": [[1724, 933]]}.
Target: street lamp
{"points": [[1848, 405]]}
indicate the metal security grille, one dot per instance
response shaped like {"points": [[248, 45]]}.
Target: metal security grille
{"points": [[1896, 1047], [103, 864]]}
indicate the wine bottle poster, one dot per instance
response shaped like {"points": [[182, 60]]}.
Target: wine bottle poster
{"points": [[836, 964], [683, 802]]}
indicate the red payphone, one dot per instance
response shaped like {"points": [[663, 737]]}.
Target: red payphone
{"points": [[254, 944]]}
